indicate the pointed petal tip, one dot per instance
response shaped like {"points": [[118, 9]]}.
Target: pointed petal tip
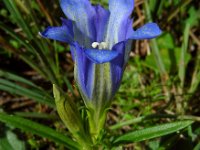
{"points": [[157, 29], [148, 31], [44, 34], [62, 33], [40, 34]]}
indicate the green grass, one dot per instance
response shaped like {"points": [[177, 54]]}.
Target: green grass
{"points": [[160, 87]]}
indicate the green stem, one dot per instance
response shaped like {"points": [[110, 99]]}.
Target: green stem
{"points": [[96, 123], [195, 77], [182, 63], [157, 56], [22, 6], [154, 45]]}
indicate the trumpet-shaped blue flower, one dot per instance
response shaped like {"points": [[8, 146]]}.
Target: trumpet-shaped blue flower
{"points": [[100, 42]]}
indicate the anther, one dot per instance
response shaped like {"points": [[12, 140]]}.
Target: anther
{"points": [[95, 45], [102, 45]]}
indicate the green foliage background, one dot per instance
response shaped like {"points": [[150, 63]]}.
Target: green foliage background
{"points": [[160, 84]]}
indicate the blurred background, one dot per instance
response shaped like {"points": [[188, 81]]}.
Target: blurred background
{"points": [[161, 82]]}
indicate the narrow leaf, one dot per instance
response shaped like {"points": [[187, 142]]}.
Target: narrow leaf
{"points": [[14, 77], [11, 6], [183, 63], [12, 142], [4, 144], [31, 93], [17, 37], [30, 84], [152, 132], [38, 129]]}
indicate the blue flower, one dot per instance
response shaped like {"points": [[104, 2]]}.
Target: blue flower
{"points": [[100, 42]]}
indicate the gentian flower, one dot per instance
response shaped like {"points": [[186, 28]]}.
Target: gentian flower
{"points": [[100, 42]]}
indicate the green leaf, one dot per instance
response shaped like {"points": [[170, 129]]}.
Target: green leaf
{"points": [[170, 54], [38, 129], [194, 16], [4, 144], [154, 145], [31, 93], [36, 115], [166, 41], [27, 83], [29, 90], [197, 147], [16, 37], [152, 132], [69, 113], [17, 78], [11, 142], [11, 6]]}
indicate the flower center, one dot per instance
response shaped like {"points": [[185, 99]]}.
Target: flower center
{"points": [[102, 45]]}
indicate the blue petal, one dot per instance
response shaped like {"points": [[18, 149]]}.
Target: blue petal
{"points": [[118, 65], [148, 31], [63, 33], [98, 82], [82, 13], [69, 25], [83, 70], [101, 20], [119, 20], [100, 56], [79, 67]]}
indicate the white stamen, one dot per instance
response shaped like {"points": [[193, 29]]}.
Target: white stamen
{"points": [[102, 45], [95, 45]]}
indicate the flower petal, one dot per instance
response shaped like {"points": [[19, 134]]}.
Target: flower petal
{"points": [[80, 70], [117, 66], [83, 71], [101, 20], [69, 25], [63, 33], [81, 12], [148, 31], [119, 20], [100, 56]]}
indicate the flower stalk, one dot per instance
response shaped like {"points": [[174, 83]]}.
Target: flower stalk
{"points": [[96, 123]]}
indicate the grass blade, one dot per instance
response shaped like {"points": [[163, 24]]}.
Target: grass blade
{"points": [[19, 39], [14, 77], [31, 93], [158, 59], [182, 63], [24, 56], [154, 45], [38, 129], [11, 6]]}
